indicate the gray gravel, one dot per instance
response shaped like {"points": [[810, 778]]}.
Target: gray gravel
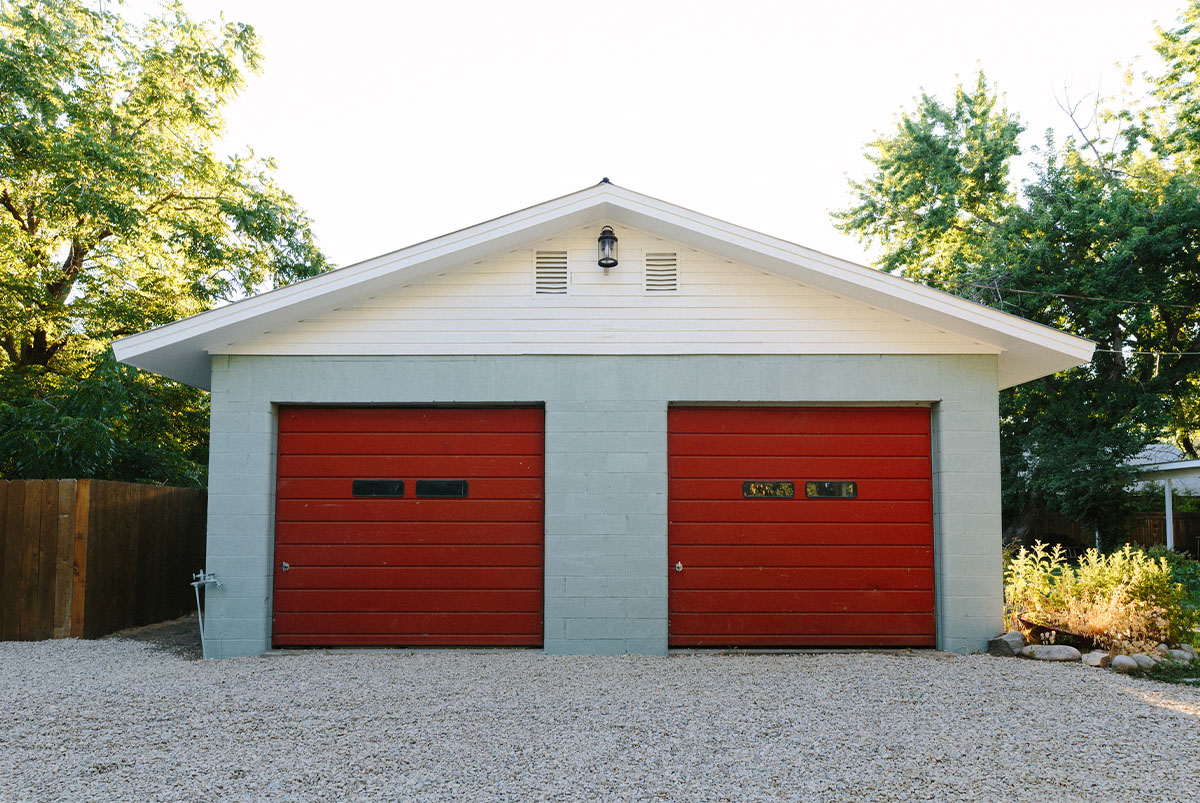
{"points": [[122, 720], [180, 636]]}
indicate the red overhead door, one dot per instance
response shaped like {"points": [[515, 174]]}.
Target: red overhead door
{"points": [[800, 526], [409, 526]]}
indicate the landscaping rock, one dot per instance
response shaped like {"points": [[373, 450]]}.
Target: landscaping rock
{"points": [[1051, 652], [1162, 649], [1189, 649], [1143, 661], [1009, 644], [1124, 664], [1181, 656], [1097, 658]]}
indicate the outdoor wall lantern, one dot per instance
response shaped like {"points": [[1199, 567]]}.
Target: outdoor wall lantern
{"points": [[606, 248]]}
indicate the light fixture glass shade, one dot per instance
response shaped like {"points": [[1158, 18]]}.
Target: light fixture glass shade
{"points": [[606, 248]]}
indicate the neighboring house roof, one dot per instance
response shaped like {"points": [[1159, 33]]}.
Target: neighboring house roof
{"points": [[1181, 468], [181, 350], [1161, 461], [1157, 453]]}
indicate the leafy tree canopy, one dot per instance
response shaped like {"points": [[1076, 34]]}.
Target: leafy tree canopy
{"points": [[118, 214], [1103, 241]]}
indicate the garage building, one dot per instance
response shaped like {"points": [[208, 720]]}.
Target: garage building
{"points": [[489, 439]]}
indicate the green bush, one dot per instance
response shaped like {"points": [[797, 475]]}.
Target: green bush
{"points": [[1149, 499], [1184, 570], [1126, 600]]}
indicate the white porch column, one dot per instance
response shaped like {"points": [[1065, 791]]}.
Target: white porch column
{"points": [[1170, 514]]}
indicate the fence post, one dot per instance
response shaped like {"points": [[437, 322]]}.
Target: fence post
{"points": [[64, 557], [83, 495]]}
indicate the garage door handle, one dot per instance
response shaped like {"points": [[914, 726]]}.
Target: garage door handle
{"points": [[283, 567], [679, 566]]}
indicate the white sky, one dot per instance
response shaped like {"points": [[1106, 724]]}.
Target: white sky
{"points": [[394, 122]]}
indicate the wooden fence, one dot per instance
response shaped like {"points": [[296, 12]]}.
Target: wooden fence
{"points": [[1150, 529], [83, 558], [1146, 529]]}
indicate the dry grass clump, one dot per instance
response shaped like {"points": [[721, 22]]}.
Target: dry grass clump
{"points": [[1115, 620], [1126, 601]]}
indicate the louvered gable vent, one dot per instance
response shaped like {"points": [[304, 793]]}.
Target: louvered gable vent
{"points": [[550, 273], [662, 273]]}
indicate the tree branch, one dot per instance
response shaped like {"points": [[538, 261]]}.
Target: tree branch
{"points": [[10, 348], [159, 202], [7, 202], [1089, 141], [176, 196], [52, 349], [61, 287]]}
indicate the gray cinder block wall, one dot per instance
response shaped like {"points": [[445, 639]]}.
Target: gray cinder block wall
{"points": [[606, 472]]}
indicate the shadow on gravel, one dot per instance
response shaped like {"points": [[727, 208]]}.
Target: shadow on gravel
{"points": [[178, 636]]}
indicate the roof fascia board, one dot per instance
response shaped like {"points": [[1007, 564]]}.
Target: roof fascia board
{"points": [[1182, 468], [1041, 349], [882, 287], [494, 235]]}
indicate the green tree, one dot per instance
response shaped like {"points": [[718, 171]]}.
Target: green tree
{"points": [[117, 214], [1101, 219], [1170, 124], [939, 184], [115, 422]]}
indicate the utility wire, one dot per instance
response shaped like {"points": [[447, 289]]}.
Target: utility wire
{"points": [[1085, 298], [1056, 295]]}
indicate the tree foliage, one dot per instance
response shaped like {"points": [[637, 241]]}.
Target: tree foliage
{"points": [[118, 214], [940, 182], [1103, 241], [115, 422]]}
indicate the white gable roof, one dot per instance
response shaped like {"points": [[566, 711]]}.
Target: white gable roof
{"points": [[182, 350]]}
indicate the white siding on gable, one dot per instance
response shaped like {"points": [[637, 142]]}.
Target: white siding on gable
{"points": [[719, 307]]}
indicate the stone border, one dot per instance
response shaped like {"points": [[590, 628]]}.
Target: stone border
{"points": [[1013, 644]]}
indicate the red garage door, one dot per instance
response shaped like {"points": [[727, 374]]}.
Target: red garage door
{"points": [[409, 526], [800, 527]]}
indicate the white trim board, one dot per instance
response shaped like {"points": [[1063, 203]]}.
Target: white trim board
{"points": [[1180, 468], [181, 350]]}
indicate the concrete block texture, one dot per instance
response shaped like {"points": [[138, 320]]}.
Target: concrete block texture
{"points": [[606, 549]]}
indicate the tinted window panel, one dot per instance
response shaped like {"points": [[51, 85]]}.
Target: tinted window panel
{"points": [[442, 489], [768, 489], [378, 488], [828, 489]]}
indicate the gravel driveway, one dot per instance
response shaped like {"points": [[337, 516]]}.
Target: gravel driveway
{"points": [[126, 720]]}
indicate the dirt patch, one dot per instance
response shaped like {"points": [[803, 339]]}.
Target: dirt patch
{"points": [[178, 636]]}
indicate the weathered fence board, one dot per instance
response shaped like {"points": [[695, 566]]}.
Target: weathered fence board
{"points": [[1144, 529], [1150, 529], [84, 558], [64, 550]]}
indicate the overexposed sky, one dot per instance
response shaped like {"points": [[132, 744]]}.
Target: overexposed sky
{"points": [[394, 122]]}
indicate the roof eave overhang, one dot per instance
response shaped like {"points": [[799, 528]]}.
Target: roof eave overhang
{"points": [[1181, 468], [1028, 350], [181, 350]]}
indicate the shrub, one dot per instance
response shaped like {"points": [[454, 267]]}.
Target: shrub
{"points": [[1125, 601], [1184, 570], [1149, 499]]}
